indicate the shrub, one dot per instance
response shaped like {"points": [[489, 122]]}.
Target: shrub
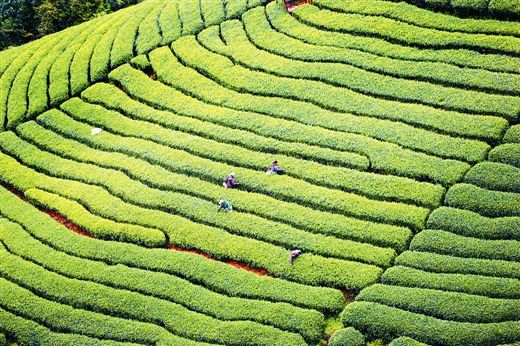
{"points": [[465, 283], [160, 156], [389, 322], [215, 275], [494, 176], [436, 263], [451, 244], [170, 288], [310, 269], [485, 202], [400, 32], [508, 153], [513, 134], [86, 296], [471, 224], [452, 306], [294, 28], [347, 337], [405, 341]]}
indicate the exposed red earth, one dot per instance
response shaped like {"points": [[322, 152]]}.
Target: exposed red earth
{"points": [[75, 228]]}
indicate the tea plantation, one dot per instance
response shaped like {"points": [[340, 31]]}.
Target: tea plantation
{"points": [[398, 130]]}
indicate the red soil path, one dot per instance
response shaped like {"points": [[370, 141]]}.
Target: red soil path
{"points": [[75, 228], [236, 264]]}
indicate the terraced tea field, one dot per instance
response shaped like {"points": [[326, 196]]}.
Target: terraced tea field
{"points": [[398, 131]]}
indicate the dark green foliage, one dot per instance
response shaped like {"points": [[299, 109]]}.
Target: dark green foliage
{"points": [[455, 245], [405, 341], [437, 263], [347, 337], [452, 306], [508, 153], [471, 224], [22, 21], [494, 176], [465, 283], [217, 276], [482, 201], [389, 322]]}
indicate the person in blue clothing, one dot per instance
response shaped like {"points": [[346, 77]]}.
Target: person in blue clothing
{"points": [[294, 255], [224, 205], [274, 168]]}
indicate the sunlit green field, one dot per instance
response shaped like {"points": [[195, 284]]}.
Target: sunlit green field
{"points": [[398, 131]]}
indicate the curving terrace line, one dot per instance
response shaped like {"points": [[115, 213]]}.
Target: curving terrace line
{"points": [[289, 25], [257, 30], [288, 213], [353, 250], [401, 33], [424, 18]]}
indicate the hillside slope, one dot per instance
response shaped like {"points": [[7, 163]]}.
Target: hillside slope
{"points": [[398, 131]]}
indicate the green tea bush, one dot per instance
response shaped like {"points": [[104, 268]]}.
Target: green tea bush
{"points": [[149, 34], [160, 156], [308, 323], [494, 176], [465, 283], [215, 275], [122, 49], [190, 17], [455, 245], [347, 337], [286, 187], [66, 319], [389, 322], [452, 306], [10, 73], [213, 12], [17, 102], [310, 269], [355, 79], [28, 332], [414, 15], [175, 319], [135, 168], [381, 155], [405, 341], [482, 201], [458, 57], [261, 34], [170, 23], [513, 134], [112, 98], [97, 226], [235, 8], [141, 62], [437, 263], [80, 65], [404, 33], [377, 186], [508, 153], [471, 224]]}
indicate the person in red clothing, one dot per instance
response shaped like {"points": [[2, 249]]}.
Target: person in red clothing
{"points": [[294, 255]]}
